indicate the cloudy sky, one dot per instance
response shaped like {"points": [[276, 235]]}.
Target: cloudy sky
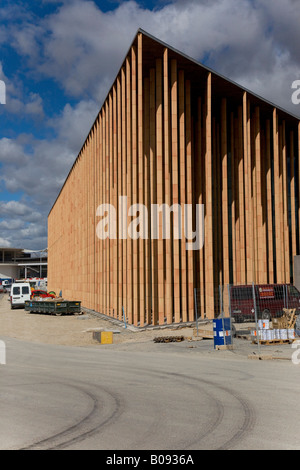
{"points": [[59, 58]]}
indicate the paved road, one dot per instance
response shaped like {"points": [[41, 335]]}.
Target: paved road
{"points": [[169, 399]]}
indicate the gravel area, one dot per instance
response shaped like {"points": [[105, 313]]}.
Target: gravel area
{"points": [[84, 330], [73, 330]]}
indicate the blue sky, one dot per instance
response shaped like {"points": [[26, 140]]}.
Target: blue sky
{"points": [[59, 58]]}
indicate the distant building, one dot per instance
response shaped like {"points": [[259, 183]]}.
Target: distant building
{"points": [[173, 131], [17, 263]]}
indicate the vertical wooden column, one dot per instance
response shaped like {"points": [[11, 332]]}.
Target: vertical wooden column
{"points": [[129, 191], [135, 243], [237, 202], [153, 197], [87, 239], [119, 193], [200, 179], [124, 189], [298, 176], [209, 264], [93, 209], [285, 207], [261, 242], [281, 202], [254, 198], [115, 299], [110, 190], [293, 195], [217, 204], [111, 201], [248, 212], [104, 202], [233, 197], [94, 259], [189, 198], [250, 196], [108, 193], [277, 190], [98, 201], [107, 189], [269, 203], [147, 199], [94, 197], [224, 159], [175, 191], [159, 188], [85, 294], [141, 180], [102, 174], [241, 197], [96, 204], [182, 194], [265, 265], [168, 188]]}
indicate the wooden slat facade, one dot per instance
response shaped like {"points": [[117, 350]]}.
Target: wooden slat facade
{"points": [[173, 132]]}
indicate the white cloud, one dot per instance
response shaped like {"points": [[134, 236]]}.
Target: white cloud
{"points": [[74, 122], [5, 243], [13, 208]]}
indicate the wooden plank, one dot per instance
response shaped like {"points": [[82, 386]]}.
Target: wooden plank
{"points": [[241, 198], [124, 190], [209, 262], [119, 193], [279, 278], [129, 191], [182, 194], [189, 196], [159, 188], [175, 193], [153, 197], [141, 179], [293, 195], [168, 187], [148, 302], [269, 203], [224, 159], [134, 144], [285, 208]]}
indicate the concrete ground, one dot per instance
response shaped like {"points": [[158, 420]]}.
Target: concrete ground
{"points": [[136, 394]]}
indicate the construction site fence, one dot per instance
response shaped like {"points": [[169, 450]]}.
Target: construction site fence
{"points": [[258, 304], [251, 302]]}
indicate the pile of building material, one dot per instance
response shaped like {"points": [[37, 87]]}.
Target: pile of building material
{"points": [[282, 330], [168, 339], [48, 299]]}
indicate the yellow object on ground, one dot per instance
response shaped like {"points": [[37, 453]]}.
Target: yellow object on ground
{"points": [[106, 337]]}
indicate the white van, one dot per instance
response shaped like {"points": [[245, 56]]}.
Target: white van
{"points": [[6, 285], [20, 292]]}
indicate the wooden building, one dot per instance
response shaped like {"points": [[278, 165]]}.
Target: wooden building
{"points": [[172, 131]]}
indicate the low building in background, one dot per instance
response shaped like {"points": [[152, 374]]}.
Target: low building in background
{"points": [[18, 263]]}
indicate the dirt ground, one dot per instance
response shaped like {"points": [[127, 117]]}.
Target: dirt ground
{"points": [[74, 330]]}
